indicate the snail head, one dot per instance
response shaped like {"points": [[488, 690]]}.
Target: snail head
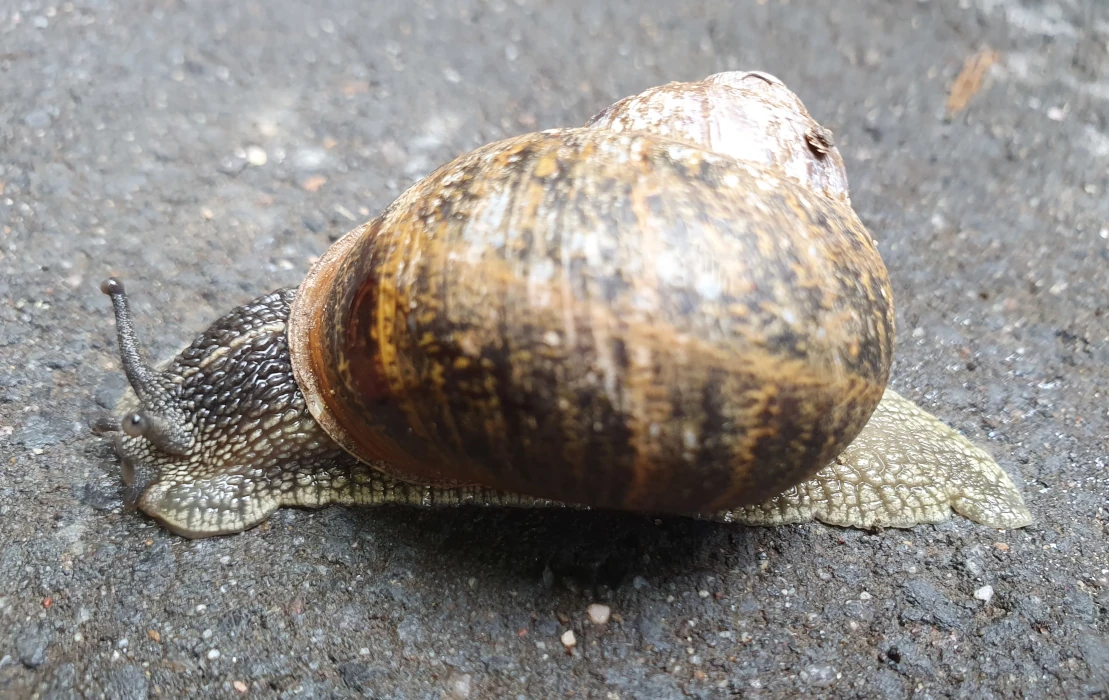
{"points": [[156, 423], [209, 440]]}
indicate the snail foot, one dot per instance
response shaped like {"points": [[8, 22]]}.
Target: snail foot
{"points": [[239, 498], [905, 468], [231, 501]]}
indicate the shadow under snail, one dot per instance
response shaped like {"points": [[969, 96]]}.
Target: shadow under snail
{"points": [[671, 310]]}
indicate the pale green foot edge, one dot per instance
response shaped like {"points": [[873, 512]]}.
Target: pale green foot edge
{"points": [[905, 468], [241, 498]]}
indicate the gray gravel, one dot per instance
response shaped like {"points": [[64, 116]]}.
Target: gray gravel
{"points": [[206, 151]]}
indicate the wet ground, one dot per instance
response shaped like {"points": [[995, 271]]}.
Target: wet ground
{"points": [[206, 151]]}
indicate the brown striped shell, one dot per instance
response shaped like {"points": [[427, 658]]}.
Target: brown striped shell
{"points": [[614, 315]]}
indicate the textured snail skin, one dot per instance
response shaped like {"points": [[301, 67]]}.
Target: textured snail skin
{"points": [[257, 448]]}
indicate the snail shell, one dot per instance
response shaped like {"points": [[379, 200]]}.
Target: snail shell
{"points": [[610, 315]]}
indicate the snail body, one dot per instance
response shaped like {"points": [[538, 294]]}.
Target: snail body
{"points": [[671, 309]]}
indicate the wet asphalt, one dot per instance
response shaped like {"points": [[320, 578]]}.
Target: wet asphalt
{"points": [[207, 151]]}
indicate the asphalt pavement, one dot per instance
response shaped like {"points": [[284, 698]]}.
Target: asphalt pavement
{"points": [[207, 151]]}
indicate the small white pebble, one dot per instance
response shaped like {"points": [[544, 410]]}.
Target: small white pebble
{"points": [[984, 594], [364, 651], [865, 596], [213, 654], [122, 644], [820, 676], [458, 686], [703, 593], [206, 634], [568, 639], [598, 614], [255, 155], [1104, 233]]}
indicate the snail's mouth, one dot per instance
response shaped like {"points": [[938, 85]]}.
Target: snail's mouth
{"points": [[142, 491], [188, 501]]}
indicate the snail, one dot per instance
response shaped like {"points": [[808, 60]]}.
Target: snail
{"points": [[672, 309]]}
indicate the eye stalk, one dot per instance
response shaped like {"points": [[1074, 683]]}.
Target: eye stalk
{"points": [[158, 431], [155, 422], [143, 379]]}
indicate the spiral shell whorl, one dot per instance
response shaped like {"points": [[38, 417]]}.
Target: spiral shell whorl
{"points": [[750, 116]]}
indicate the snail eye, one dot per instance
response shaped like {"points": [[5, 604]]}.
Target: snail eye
{"points": [[135, 425]]}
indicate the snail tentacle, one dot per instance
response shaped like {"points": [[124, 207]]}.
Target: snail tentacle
{"points": [[158, 420], [143, 379]]}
